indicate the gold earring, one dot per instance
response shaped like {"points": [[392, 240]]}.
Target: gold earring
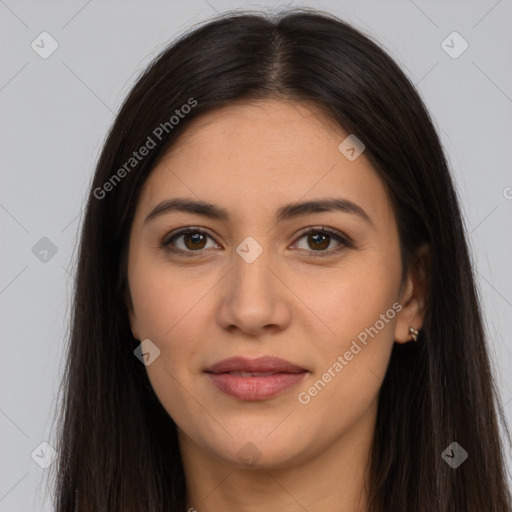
{"points": [[414, 333]]}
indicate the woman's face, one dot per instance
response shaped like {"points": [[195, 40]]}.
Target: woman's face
{"points": [[249, 281]]}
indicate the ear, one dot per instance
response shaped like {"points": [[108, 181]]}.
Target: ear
{"points": [[131, 313], [413, 297]]}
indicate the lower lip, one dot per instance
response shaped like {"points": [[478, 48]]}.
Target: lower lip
{"points": [[255, 388]]}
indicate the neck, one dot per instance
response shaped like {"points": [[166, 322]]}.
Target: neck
{"points": [[331, 477]]}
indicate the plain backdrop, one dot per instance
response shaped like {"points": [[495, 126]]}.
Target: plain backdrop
{"points": [[55, 113]]}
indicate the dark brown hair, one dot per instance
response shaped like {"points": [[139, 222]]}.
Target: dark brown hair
{"points": [[118, 448]]}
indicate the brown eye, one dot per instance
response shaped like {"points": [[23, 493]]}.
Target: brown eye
{"points": [[318, 241], [194, 240], [189, 240]]}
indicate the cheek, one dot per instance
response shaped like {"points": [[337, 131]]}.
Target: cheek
{"points": [[353, 299], [350, 372], [169, 312], [360, 347], [163, 301], [171, 309], [360, 308]]}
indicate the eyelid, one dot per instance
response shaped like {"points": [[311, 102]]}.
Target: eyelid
{"points": [[343, 239], [181, 231], [166, 241]]}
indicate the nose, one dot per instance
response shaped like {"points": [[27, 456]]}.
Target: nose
{"points": [[254, 299]]}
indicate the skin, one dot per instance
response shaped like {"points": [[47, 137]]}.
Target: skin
{"points": [[251, 159]]}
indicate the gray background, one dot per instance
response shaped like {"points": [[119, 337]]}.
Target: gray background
{"points": [[54, 116]]}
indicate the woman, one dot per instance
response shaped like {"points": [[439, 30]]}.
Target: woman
{"points": [[274, 306]]}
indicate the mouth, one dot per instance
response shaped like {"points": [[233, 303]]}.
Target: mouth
{"points": [[253, 374], [260, 365], [257, 379]]}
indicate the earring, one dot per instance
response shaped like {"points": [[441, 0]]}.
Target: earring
{"points": [[414, 333]]}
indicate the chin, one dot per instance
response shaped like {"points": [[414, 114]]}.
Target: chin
{"points": [[244, 452]]}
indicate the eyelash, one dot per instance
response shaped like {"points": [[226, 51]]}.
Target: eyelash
{"points": [[344, 241]]}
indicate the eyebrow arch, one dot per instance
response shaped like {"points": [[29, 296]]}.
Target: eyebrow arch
{"points": [[286, 212]]}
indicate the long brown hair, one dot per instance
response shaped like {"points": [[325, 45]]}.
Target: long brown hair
{"points": [[118, 448]]}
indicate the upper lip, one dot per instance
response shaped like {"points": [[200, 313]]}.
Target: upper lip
{"points": [[261, 364]]}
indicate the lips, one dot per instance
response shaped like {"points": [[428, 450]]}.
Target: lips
{"points": [[256, 379], [262, 365], [253, 374]]}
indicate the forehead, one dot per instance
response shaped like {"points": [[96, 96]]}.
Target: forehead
{"points": [[268, 127], [253, 157]]}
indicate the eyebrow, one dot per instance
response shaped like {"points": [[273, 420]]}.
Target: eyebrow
{"points": [[286, 212]]}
